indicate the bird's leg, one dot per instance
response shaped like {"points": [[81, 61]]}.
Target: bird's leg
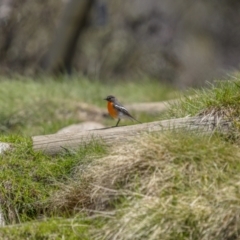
{"points": [[118, 122]]}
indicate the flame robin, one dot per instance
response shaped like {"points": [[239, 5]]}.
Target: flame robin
{"points": [[116, 109]]}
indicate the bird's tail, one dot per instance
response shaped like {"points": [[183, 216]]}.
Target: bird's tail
{"points": [[136, 120]]}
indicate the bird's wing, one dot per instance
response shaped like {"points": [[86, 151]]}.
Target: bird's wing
{"points": [[118, 106], [122, 109]]}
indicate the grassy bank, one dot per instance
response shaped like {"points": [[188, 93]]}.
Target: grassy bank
{"points": [[176, 185]]}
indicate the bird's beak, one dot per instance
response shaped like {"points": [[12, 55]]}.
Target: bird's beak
{"points": [[105, 99]]}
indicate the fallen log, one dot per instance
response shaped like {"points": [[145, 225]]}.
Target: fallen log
{"points": [[56, 143]]}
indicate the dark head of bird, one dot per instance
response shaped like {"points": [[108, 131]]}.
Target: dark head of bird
{"points": [[110, 98]]}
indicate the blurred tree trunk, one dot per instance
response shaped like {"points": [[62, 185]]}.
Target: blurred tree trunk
{"points": [[6, 26], [72, 23]]}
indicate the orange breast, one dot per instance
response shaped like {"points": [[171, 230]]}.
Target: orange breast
{"points": [[112, 111]]}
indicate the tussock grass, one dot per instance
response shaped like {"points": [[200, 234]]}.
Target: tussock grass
{"points": [[221, 98], [173, 186]]}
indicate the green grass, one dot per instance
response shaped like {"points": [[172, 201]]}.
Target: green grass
{"points": [[220, 96], [28, 178], [44, 106], [176, 185], [51, 228]]}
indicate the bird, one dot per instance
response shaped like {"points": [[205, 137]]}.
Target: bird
{"points": [[117, 110]]}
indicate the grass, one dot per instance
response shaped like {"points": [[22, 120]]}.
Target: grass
{"points": [[172, 186], [180, 186], [175, 185], [51, 228], [28, 178], [220, 97], [46, 105]]}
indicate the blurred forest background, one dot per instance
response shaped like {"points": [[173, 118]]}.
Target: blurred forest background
{"points": [[184, 42]]}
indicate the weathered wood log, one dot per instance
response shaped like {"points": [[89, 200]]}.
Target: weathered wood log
{"points": [[56, 143]]}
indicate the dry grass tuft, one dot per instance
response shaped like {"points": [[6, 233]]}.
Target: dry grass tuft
{"points": [[173, 186]]}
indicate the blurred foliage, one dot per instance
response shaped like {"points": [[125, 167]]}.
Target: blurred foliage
{"points": [[185, 43], [26, 31]]}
